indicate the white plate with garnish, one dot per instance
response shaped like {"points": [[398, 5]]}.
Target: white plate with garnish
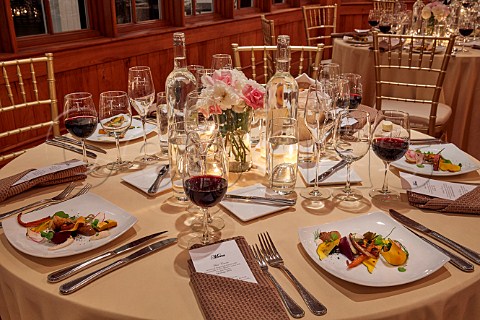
{"points": [[423, 259], [134, 132], [82, 206], [448, 151]]}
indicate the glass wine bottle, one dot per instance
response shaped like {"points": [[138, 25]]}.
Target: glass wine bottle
{"points": [[281, 95], [417, 17], [180, 82]]}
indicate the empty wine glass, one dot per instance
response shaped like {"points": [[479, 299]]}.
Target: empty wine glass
{"points": [[329, 72], [115, 116], [221, 61], [80, 117], [205, 181], [141, 92], [351, 142], [390, 141], [317, 122]]}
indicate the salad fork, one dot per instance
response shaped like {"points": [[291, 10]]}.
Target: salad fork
{"points": [[293, 308], [84, 190], [62, 195], [275, 260]]}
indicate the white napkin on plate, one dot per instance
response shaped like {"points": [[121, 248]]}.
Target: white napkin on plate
{"points": [[143, 179]]}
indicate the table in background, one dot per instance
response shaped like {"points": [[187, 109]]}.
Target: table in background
{"points": [[157, 286], [461, 89]]}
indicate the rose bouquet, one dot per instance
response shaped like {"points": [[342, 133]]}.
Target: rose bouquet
{"points": [[235, 98], [435, 10]]}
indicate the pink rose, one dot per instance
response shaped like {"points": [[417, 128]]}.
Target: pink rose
{"points": [[253, 97], [224, 76]]}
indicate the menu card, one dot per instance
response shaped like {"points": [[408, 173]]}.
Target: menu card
{"points": [[222, 259], [434, 188], [49, 169]]}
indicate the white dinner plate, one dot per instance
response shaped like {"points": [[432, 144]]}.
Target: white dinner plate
{"points": [[135, 132], [423, 259], [143, 179], [83, 205], [247, 211], [449, 151], [307, 170], [348, 39]]}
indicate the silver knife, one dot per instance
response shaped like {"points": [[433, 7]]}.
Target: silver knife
{"points": [[454, 259], [80, 282], [64, 273], [426, 141], [78, 143], [466, 252], [161, 174], [269, 201], [330, 171], [70, 148]]}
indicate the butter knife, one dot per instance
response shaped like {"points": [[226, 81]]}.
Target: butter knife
{"points": [[454, 259], [70, 148], [78, 143], [80, 282], [330, 171], [263, 200], [64, 273], [161, 174], [466, 252]]}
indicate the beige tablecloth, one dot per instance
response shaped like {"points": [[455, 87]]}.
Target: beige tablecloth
{"points": [[461, 89], [157, 286]]}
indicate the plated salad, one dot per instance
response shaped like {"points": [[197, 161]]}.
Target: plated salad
{"points": [[420, 158], [364, 249]]}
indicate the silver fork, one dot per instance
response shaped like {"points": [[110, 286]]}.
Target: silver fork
{"points": [[275, 260], [293, 308], [84, 190], [62, 195]]}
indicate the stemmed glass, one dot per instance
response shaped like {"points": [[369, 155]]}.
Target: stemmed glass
{"points": [[466, 25], [115, 116], [351, 142], [355, 88], [390, 141], [386, 21], [316, 121], [80, 117], [205, 181], [221, 61], [374, 18], [329, 72], [141, 92]]}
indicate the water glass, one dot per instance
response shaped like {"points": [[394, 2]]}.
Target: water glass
{"points": [[329, 72], [282, 149], [196, 70], [162, 122], [177, 140], [222, 61]]}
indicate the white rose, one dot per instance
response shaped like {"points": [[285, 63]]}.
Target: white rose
{"points": [[426, 13]]}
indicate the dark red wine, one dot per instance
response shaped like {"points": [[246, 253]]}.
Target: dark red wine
{"points": [[82, 126], [385, 28], [205, 191], [373, 23], [389, 149], [465, 32], [355, 100]]}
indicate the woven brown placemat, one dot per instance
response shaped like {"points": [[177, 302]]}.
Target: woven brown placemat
{"points": [[222, 298], [468, 203], [7, 189]]}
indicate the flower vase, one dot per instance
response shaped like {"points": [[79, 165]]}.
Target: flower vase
{"points": [[235, 125]]}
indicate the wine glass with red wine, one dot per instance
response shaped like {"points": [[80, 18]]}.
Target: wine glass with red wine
{"points": [[390, 142], [386, 21], [466, 25], [80, 117], [205, 181], [374, 18], [356, 89]]}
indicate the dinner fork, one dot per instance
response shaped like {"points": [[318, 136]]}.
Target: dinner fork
{"points": [[84, 190], [275, 260], [293, 308], [62, 195]]}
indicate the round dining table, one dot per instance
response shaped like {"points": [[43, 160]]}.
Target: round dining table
{"points": [[461, 88], [158, 286]]}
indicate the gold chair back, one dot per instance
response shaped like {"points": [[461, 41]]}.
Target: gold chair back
{"points": [[384, 5], [320, 22], [28, 103], [268, 31], [258, 58], [410, 70]]}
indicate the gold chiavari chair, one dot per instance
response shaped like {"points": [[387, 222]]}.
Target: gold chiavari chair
{"points": [[409, 75], [320, 22], [28, 103], [384, 5], [258, 58], [268, 31]]}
